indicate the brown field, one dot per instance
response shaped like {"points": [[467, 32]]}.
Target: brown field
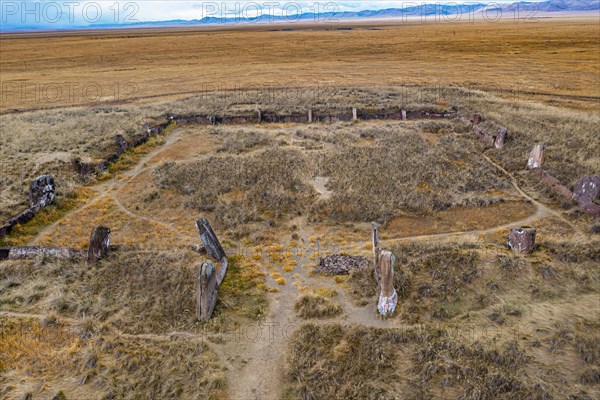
{"points": [[474, 320], [551, 60]]}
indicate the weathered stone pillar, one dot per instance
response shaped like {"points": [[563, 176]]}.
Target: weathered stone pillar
{"points": [[388, 298], [354, 114], [522, 240], [99, 244], [310, 116], [207, 291], [42, 191], [587, 192], [403, 113], [536, 157], [501, 138], [384, 275], [259, 116]]}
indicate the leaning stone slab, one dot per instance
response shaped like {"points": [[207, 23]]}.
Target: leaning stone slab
{"points": [[122, 143], [555, 184], [209, 239], [213, 248], [82, 168]]}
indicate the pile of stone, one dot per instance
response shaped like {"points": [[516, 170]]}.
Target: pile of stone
{"points": [[338, 264]]}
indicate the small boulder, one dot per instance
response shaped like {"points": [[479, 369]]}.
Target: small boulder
{"points": [[522, 240]]}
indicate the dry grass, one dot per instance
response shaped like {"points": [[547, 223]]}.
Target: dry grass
{"points": [[248, 190], [257, 187], [133, 291], [402, 172], [337, 362], [511, 57], [316, 306], [42, 360], [21, 234], [127, 329], [453, 282], [569, 136]]}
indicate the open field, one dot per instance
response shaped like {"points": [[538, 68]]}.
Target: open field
{"points": [[281, 196], [474, 320], [548, 60]]}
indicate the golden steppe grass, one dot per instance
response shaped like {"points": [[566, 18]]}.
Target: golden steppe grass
{"points": [[554, 60], [125, 338]]}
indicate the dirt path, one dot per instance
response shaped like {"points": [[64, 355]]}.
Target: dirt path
{"points": [[106, 188], [543, 210]]}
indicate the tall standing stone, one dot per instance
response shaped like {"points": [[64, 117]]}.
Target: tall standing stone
{"points": [[99, 244], [388, 298], [536, 157], [207, 291], [522, 240], [501, 138]]}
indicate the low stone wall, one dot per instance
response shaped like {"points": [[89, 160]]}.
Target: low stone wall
{"points": [[41, 194]]}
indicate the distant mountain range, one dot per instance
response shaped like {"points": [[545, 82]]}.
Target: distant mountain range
{"points": [[467, 11]]}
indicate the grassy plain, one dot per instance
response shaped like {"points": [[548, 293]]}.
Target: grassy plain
{"points": [[553, 60], [474, 320]]}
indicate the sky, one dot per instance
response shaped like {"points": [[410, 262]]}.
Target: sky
{"points": [[65, 14]]}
